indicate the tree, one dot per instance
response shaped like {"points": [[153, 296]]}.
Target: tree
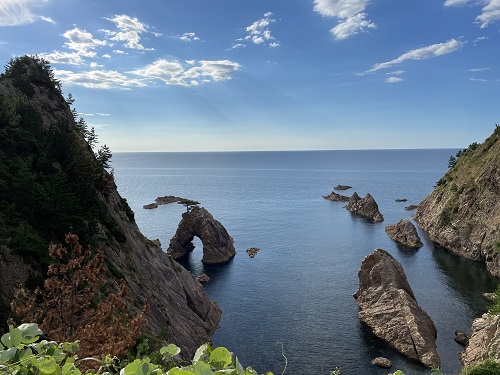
{"points": [[104, 156], [71, 306], [188, 203]]}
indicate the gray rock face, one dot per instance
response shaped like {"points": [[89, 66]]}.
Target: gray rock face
{"points": [[217, 244], [484, 340], [366, 207], [405, 233], [389, 308]]}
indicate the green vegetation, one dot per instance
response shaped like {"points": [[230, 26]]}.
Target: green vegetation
{"points": [[50, 176], [464, 169]]}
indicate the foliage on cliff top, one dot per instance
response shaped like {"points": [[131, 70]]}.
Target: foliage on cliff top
{"points": [[50, 177], [470, 162]]}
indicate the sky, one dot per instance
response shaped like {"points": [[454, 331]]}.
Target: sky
{"points": [[240, 75]]}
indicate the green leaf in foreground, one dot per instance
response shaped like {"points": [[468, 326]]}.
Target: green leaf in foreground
{"points": [[221, 358]]}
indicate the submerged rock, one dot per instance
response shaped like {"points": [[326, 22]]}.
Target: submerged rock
{"points": [[411, 207], [217, 244], [484, 340], [388, 307], [366, 207], [405, 233], [252, 251]]}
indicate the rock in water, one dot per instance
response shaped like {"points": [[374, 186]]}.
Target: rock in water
{"points": [[382, 362], [405, 233], [366, 207], [461, 338], [342, 187], [389, 308], [333, 196], [217, 244], [484, 340]]}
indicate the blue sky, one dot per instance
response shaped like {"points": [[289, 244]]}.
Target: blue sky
{"points": [[205, 75]]}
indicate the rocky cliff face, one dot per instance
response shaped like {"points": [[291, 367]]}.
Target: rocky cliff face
{"points": [[484, 341], [462, 214], [180, 310], [388, 306], [217, 243]]}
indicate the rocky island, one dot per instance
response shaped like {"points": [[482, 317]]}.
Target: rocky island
{"points": [[405, 233], [366, 207], [388, 307]]}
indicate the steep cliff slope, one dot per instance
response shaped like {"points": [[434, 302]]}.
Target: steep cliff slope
{"points": [[51, 179], [462, 214]]}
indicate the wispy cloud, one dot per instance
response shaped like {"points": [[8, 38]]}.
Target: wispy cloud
{"points": [[129, 31], [396, 72], [477, 79], [98, 79], [188, 37], [20, 12], [394, 79], [423, 53], [478, 69], [258, 33], [490, 12], [350, 14], [58, 57], [196, 72]]}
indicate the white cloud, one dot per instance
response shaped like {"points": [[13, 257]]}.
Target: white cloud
{"points": [[58, 57], [103, 114], [351, 26], [394, 79], [490, 11], [477, 79], [478, 69], [119, 52], [350, 14], [423, 53], [106, 56], [129, 31], [82, 42], [97, 79], [174, 73], [396, 73], [95, 65], [258, 33], [20, 12], [188, 37]]}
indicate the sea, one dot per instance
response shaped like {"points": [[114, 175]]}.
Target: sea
{"points": [[290, 309]]}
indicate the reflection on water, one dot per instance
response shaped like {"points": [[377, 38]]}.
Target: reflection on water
{"points": [[469, 278]]}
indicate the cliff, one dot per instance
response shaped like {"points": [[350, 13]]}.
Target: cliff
{"points": [[51, 179], [462, 214]]}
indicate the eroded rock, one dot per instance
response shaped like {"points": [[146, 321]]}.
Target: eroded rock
{"points": [[252, 251], [217, 244], [388, 307], [484, 340], [382, 362], [342, 187], [405, 233], [366, 207]]}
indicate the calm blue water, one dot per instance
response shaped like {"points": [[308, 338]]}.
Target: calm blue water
{"points": [[297, 291]]}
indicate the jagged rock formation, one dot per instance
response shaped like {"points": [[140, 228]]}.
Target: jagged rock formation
{"points": [[405, 233], [462, 214], [217, 244], [389, 308], [335, 197], [411, 207], [179, 306], [366, 207], [484, 340]]}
